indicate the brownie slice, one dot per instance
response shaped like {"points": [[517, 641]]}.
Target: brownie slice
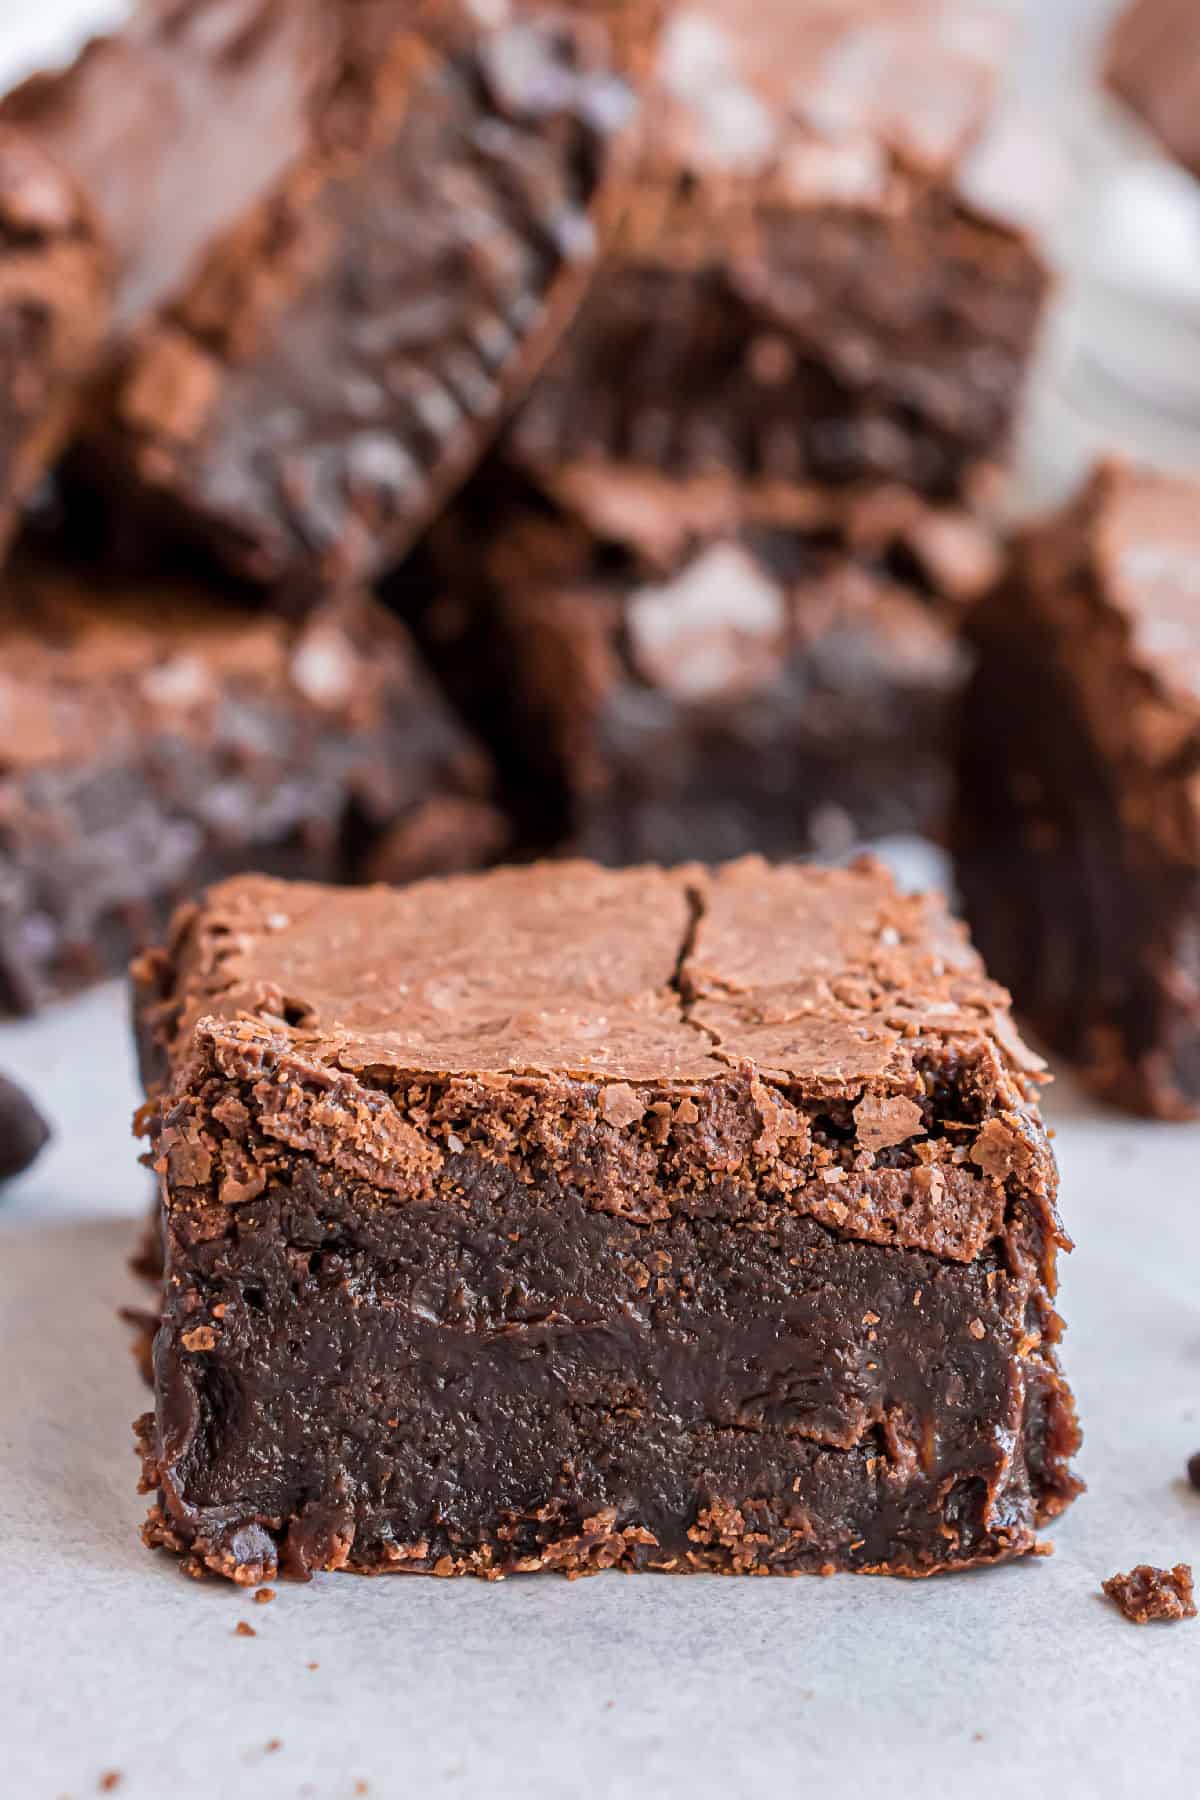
{"points": [[1152, 63], [802, 287], [567, 1218], [176, 124], [54, 293], [1078, 822], [418, 207], [154, 737], [675, 670]]}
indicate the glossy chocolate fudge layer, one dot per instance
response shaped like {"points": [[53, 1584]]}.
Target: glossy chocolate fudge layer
{"points": [[379, 270], [1152, 63], [54, 297], [565, 1218], [802, 288], [153, 738], [680, 670], [1078, 829]]}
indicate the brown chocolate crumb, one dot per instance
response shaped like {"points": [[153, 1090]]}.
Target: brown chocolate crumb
{"points": [[360, 1787], [203, 1337], [1147, 1593], [1193, 1469], [110, 1781], [314, 1665], [264, 1596], [977, 1328], [274, 1744], [243, 1628]]}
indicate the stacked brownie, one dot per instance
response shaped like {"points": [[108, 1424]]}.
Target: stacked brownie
{"points": [[721, 553], [273, 273]]}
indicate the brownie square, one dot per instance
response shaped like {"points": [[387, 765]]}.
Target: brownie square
{"points": [[405, 215], [802, 287], [54, 296], [695, 669], [568, 1218], [1078, 822], [156, 735]]}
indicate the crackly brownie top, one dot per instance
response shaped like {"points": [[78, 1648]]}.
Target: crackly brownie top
{"points": [[86, 667], [828, 93], [823, 977]]}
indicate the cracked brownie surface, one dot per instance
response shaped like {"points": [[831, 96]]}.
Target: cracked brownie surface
{"points": [[563, 1217]]}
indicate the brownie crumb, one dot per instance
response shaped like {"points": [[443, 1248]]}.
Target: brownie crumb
{"points": [[314, 1665], [23, 1131], [273, 1744], [360, 1787], [1147, 1594], [110, 1781], [264, 1596], [1194, 1470], [244, 1629]]}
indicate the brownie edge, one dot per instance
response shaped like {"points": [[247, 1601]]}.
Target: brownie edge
{"points": [[572, 1218]]}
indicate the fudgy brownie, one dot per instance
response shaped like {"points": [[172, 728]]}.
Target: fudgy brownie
{"points": [[418, 202], [1152, 62], [568, 1218], [1078, 820], [153, 737], [54, 293], [676, 670], [802, 288]]}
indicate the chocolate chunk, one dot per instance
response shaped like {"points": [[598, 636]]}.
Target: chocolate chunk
{"points": [[23, 1131], [1147, 1595], [1078, 826], [575, 1229]]}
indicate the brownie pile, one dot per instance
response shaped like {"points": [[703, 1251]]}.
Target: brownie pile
{"points": [[434, 432], [270, 275], [720, 555]]}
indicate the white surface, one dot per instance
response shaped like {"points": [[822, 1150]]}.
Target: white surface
{"points": [[1010, 1680]]}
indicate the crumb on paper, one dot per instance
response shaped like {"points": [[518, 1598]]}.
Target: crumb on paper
{"points": [[273, 1744], [314, 1665], [243, 1628], [1148, 1594], [263, 1596], [110, 1781]]}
